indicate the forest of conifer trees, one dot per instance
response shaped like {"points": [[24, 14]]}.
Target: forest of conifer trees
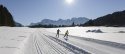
{"points": [[6, 19]]}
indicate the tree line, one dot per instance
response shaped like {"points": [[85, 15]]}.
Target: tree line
{"points": [[115, 19], [6, 19]]}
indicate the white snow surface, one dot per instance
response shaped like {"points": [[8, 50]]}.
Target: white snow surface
{"points": [[13, 40], [23, 40], [110, 33]]}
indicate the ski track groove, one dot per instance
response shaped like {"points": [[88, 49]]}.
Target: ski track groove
{"points": [[52, 45], [37, 46], [72, 48], [40, 40]]}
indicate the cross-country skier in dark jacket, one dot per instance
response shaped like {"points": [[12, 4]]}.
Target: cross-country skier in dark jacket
{"points": [[57, 35], [66, 34]]}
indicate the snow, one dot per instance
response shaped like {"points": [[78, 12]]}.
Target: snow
{"points": [[93, 47], [13, 39], [24, 40], [110, 33]]}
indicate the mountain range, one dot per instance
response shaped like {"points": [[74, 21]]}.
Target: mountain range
{"points": [[76, 21]]}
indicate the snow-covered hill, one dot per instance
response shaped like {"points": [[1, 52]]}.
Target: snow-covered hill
{"points": [[79, 20]]}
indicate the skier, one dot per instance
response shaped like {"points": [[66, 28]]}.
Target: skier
{"points": [[57, 35], [66, 34]]}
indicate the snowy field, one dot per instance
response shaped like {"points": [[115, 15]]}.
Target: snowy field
{"points": [[14, 40], [114, 34], [23, 40]]}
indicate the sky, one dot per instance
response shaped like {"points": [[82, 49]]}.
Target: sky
{"points": [[32, 11]]}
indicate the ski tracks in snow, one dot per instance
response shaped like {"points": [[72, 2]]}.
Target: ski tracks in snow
{"points": [[89, 46], [44, 45]]}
